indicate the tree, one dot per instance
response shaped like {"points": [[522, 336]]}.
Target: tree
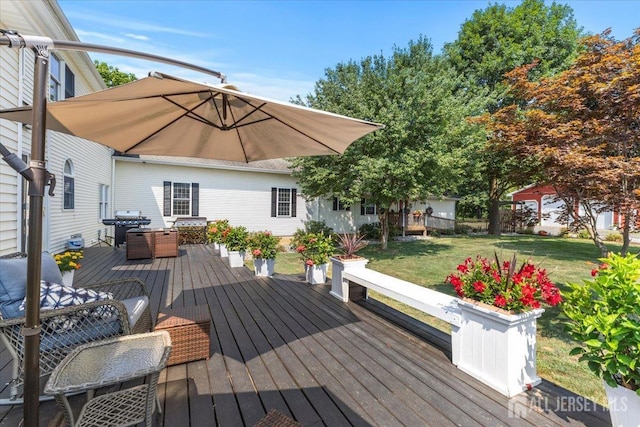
{"points": [[583, 127], [421, 151], [496, 40], [112, 76]]}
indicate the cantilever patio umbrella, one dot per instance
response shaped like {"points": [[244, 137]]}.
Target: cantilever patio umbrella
{"points": [[165, 115], [159, 115]]}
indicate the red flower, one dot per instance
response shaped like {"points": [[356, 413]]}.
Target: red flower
{"points": [[500, 301], [479, 286], [300, 249], [309, 262], [520, 287], [594, 272]]}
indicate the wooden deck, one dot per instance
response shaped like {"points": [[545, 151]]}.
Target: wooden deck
{"points": [[282, 344]]}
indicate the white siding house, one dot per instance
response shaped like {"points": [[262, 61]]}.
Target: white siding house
{"points": [[89, 164], [241, 193]]}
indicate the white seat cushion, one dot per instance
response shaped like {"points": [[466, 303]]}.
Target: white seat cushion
{"points": [[135, 307]]}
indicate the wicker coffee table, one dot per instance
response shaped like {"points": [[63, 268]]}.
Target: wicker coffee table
{"points": [[189, 328]]}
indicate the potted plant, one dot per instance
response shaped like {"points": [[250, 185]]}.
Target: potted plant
{"points": [[604, 318], [263, 246], [236, 241], [315, 250], [214, 231], [68, 262], [347, 261], [224, 252], [499, 307]]}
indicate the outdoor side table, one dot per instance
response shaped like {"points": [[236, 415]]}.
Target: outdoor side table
{"points": [[108, 362], [189, 328]]}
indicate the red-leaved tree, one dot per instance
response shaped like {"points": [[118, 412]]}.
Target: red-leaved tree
{"points": [[582, 129]]}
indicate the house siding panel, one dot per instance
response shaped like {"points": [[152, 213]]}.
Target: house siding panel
{"points": [[242, 197], [92, 161]]}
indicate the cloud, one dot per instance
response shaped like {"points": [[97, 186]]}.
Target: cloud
{"points": [[136, 36], [120, 22]]}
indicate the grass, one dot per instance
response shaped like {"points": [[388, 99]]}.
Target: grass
{"points": [[429, 262]]}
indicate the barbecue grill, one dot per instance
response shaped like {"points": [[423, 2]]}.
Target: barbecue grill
{"points": [[126, 220]]}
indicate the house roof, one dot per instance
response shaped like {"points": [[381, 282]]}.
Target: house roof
{"points": [[271, 166]]}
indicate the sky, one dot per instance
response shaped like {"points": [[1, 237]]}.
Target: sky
{"points": [[279, 49]]}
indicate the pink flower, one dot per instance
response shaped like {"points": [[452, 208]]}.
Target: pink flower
{"points": [[300, 249], [309, 262], [257, 253]]}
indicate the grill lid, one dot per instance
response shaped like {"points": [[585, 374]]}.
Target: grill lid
{"points": [[130, 214]]}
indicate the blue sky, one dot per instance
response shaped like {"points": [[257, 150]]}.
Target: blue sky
{"points": [[279, 49]]}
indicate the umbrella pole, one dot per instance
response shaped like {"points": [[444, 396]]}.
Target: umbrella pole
{"points": [[31, 329]]}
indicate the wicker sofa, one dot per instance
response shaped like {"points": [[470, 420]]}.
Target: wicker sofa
{"points": [[65, 328]]}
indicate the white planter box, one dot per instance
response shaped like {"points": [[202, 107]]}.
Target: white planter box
{"points": [[624, 406], [223, 250], [498, 349], [236, 259], [264, 267], [67, 278], [340, 287], [216, 246], [317, 273]]}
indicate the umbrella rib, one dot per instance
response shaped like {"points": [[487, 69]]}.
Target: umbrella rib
{"points": [[187, 113]]}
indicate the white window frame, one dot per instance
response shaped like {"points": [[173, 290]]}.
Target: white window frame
{"points": [[68, 180], [370, 208], [103, 201], [174, 199], [282, 204], [56, 69]]}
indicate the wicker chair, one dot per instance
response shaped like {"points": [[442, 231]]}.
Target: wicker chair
{"points": [[66, 328]]}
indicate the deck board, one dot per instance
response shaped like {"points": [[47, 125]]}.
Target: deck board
{"points": [[279, 343]]}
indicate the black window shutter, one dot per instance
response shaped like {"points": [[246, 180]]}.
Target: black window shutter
{"points": [[69, 83], [362, 206], [293, 201], [167, 199], [274, 201], [195, 199], [335, 203]]}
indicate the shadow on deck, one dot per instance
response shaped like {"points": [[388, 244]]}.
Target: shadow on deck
{"points": [[279, 343]]}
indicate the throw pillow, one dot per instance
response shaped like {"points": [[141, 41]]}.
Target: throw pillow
{"points": [[13, 281], [54, 295]]}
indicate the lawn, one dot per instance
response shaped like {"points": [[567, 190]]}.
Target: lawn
{"points": [[428, 262]]}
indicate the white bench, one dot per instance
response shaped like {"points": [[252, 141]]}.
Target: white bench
{"points": [[434, 303]]}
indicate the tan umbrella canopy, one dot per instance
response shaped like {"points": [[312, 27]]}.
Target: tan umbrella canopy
{"points": [[169, 116]]}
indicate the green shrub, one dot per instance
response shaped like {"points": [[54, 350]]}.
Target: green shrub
{"points": [[370, 231], [613, 236], [583, 234], [237, 239]]}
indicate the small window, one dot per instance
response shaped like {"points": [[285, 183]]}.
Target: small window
{"points": [[69, 185], [368, 207], [181, 198], [338, 205], [283, 202], [103, 204], [54, 78], [69, 83]]}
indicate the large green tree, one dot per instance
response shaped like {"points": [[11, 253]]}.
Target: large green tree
{"points": [[496, 40], [421, 151], [112, 76]]}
